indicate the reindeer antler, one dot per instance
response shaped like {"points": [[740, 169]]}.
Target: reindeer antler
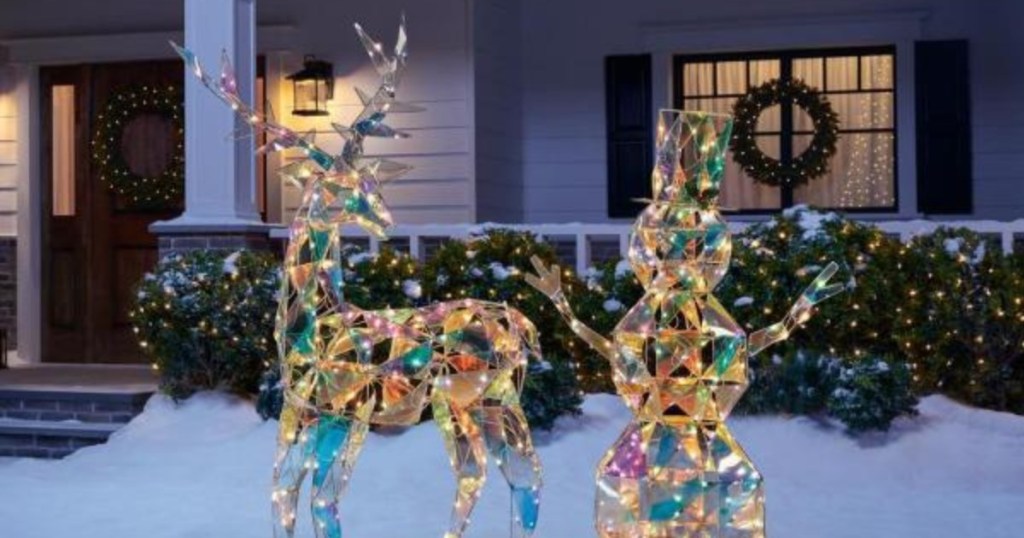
{"points": [[225, 87]]}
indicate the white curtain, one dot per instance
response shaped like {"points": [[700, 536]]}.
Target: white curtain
{"points": [[862, 171], [63, 169]]}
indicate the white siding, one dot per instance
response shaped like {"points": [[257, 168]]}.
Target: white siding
{"points": [[9, 154], [563, 84], [440, 187]]}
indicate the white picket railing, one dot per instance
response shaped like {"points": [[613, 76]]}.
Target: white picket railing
{"points": [[582, 235]]}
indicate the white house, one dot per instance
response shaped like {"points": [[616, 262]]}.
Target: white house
{"points": [[538, 112]]}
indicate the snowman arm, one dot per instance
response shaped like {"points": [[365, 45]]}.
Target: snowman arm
{"points": [[594, 339], [798, 314]]}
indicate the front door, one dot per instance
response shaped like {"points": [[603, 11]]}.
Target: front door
{"points": [[96, 243]]}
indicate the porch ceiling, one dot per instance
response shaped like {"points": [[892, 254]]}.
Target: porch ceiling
{"points": [[62, 18]]}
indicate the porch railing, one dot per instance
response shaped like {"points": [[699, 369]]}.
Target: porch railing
{"points": [[582, 245]]}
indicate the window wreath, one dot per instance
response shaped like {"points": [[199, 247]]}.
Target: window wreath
{"points": [[809, 165], [141, 191]]}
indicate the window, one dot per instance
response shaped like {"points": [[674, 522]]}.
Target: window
{"points": [[63, 149], [860, 84]]}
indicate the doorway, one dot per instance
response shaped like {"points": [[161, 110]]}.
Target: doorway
{"points": [[96, 244]]}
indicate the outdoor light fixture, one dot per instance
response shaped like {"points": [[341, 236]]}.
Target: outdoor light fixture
{"points": [[313, 85]]}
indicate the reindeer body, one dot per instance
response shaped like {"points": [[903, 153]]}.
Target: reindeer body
{"points": [[345, 368]]}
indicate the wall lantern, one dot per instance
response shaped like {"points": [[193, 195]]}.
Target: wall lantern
{"points": [[312, 86]]}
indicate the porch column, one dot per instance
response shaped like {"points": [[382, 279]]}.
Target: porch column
{"points": [[220, 189]]}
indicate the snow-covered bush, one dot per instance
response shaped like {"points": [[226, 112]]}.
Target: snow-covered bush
{"points": [[798, 384], [610, 291], [964, 328], [869, 394], [491, 267], [206, 319]]}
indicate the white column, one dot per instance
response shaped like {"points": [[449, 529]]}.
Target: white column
{"points": [[220, 188]]}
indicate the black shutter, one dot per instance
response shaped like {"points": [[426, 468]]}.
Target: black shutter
{"points": [[942, 82], [630, 152]]}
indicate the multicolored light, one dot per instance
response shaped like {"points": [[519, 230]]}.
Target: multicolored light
{"points": [[345, 368], [678, 358]]}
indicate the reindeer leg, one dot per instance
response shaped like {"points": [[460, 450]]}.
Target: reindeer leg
{"points": [[509, 442], [332, 451], [289, 471], [463, 438]]}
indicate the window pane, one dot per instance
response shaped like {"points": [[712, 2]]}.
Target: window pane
{"points": [[877, 72], [861, 175], [856, 111], [698, 79], [864, 110], [762, 71], [732, 78], [740, 192], [63, 149], [842, 73], [770, 120], [722, 104], [810, 70]]}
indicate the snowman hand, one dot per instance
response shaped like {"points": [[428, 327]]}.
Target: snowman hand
{"points": [[547, 280]]}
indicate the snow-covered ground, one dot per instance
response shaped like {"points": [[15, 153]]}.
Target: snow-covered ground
{"points": [[201, 470]]}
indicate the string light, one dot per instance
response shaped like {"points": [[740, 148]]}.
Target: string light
{"points": [[678, 359]]}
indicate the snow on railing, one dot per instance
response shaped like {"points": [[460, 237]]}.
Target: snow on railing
{"points": [[583, 235]]}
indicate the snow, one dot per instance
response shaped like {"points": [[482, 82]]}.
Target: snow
{"points": [[201, 469], [612, 305], [231, 263], [501, 272], [412, 289], [810, 221], [360, 257], [622, 269]]}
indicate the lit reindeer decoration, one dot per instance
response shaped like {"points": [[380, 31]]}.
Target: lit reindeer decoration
{"points": [[677, 357], [345, 368]]}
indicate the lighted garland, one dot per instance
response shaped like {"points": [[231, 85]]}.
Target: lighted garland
{"points": [[809, 165], [159, 191]]}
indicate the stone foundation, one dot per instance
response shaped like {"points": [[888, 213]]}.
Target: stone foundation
{"points": [[177, 244], [177, 238]]}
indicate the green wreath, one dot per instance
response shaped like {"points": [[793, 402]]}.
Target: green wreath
{"points": [[813, 162], [141, 192]]}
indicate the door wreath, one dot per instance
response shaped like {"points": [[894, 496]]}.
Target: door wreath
{"points": [[141, 191]]}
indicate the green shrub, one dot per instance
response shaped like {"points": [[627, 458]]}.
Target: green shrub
{"points": [[611, 289], [206, 319], [870, 393], [964, 327], [799, 384]]}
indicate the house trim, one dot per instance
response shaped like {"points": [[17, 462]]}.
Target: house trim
{"points": [[100, 48]]}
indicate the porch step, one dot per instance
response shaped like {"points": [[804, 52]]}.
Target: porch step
{"points": [[52, 423], [43, 439]]}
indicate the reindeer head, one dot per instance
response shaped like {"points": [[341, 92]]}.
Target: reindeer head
{"points": [[337, 189]]}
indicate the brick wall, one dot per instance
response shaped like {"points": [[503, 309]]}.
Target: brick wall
{"points": [[9, 289], [174, 244]]}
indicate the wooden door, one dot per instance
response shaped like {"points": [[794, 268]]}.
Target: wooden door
{"points": [[96, 242]]}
